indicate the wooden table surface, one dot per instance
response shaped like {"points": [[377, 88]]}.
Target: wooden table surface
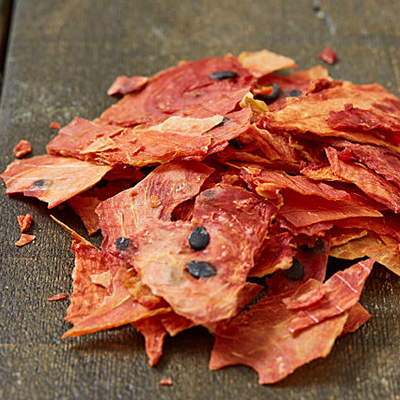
{"points": [[61, 58]]}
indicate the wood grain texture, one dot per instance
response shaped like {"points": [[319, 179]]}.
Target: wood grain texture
{"points": [[63, 55]]}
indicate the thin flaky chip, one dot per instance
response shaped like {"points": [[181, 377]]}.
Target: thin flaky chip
{"points": [[52, 179], [264, 62], [259, 338]]}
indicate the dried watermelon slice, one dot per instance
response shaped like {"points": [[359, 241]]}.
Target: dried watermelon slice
{"points": [[203, 285], [259, 338], [188, 137], [340, 292], [189, 89], [52, 179], [155, 196]]}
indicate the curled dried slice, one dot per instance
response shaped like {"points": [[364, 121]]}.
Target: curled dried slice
{"points": [[383, 120], [307, 115], [357, 316], [125, 85], [85, 207], [377, 159], [155, 196], [268, 183], [341, 292], [186, 90], [375, 186], [264, 62], [307, 210], [154, 334], [189, 138], [126, 300], [259, 338], [52, 179], [276, 253], [383, 248]]}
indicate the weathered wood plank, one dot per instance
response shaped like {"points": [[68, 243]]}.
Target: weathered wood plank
{"points": [[63, 55]]}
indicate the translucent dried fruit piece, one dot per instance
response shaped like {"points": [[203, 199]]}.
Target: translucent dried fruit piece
{"points": [[52, 179], [25, 222], [268, 182], [25, 239], [184, 90], [375, 186], [188, 138], [259, 339], [307, 210], [341, 292], [236, 221], [85, 207], [264, 62], [308, 115], [125, 85], [95, 307], [173, 183], [154, 333]]}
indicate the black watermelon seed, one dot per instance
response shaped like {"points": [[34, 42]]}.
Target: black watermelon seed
{"points": [[122, 243], [295, 272], [269, 98], [236, 143], [199, 238], [292, 93], [220, 75], [318, 248], [42, 183], [222, 123], [201, 269]]}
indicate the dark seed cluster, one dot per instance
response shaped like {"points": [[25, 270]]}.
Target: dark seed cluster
{"points": [[198, 240]]}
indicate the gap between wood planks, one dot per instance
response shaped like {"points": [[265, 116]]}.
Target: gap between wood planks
{"points": [[6, 9]]}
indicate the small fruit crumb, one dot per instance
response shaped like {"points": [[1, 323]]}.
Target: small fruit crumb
{"points": [[166, 382], [328, 56], [22, 148], [59, 296], [25, 239], [54, 125], [24, 222]]}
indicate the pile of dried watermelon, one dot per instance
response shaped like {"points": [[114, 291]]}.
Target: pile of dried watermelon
{"points": [[221, 189]]}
